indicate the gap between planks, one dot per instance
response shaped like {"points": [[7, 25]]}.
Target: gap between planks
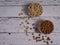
{"points": [[27, 5], [28, 16], [20, 32]]}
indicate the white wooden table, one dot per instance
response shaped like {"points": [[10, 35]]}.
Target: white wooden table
{"points": [[9, 21]]}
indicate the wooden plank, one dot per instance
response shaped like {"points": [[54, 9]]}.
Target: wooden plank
{"points": [[22, 39], [19, 24], [24, 2], [9, 21], [13, 11]]}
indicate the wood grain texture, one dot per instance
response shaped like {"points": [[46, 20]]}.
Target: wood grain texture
{"points": [[22, 39], [13, 24], [11, 33], [13, 11], [24, 2]]}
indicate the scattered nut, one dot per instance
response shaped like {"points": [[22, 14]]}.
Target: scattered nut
{"points": [[29, 18], [20, 24], [30, 28], [44, 41], [20, 14], [34, 37], [9, 33], [32, 33], [48, 38], [29, 40], [34, 27], [47, 43], [27, 27], [38, 34], [26, 31], [51, 41], [33, 24], [27, 22], [45, 36], [42, 38]]}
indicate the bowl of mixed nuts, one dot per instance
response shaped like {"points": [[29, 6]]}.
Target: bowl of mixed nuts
{"points": [[35, 9], [46, 27]]}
